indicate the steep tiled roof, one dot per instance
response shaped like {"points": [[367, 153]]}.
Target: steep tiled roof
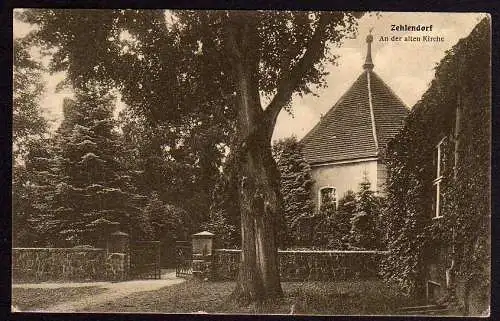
{"points": [[347, 130]]}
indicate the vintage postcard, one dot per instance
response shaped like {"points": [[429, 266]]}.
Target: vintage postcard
{"points": [[251, 162]]}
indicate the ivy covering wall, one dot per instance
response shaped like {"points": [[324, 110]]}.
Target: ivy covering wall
{"points": [[455, 107]]}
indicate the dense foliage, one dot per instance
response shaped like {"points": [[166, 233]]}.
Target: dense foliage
{"points": [[80, 184], [457, 107], [295, 186], [28, 129], [160, 221], [364, 232], [175, 123], [353, 223], [27, 120]]}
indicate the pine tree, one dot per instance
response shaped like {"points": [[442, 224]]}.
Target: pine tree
{"points": [[39, 186], [93, 183]]}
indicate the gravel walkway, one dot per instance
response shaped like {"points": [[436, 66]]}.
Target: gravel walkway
{"points": [[114, 291]]}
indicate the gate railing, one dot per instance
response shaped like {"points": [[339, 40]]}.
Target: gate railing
{"points": [[183, 258], [145, 259]]}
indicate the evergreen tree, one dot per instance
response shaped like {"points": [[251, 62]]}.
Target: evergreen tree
{"points": [[295, 184], [93, 184], [24, 207], [27, 120], [42, 176], [340, 223], [364, 233]]}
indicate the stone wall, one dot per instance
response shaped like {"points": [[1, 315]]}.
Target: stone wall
{"points": [[67, 264], [307, 264]]}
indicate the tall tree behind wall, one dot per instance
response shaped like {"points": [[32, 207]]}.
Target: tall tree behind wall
{"points": [[92, 180]]}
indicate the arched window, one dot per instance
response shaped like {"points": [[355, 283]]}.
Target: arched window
{"points": [[327, 194]]}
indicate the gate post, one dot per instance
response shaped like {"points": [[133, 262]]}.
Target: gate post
{"points": [[118, 255], [202, 254]]}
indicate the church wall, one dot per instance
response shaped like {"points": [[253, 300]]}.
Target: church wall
{"points": [[343, 177]]}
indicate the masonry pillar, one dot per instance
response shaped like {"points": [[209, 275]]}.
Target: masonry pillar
{"points": [[118, 256], [202, 254]]}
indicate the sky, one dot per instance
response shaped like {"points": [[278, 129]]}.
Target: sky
{"points": [[407, 67]]}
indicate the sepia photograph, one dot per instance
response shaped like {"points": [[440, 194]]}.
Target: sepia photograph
{"points": [[251, 162]]}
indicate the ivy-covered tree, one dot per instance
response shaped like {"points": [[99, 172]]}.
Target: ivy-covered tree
{"points": [[295, 185]]}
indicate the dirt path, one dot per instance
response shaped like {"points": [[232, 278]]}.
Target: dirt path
{"points": [[113, 291]]}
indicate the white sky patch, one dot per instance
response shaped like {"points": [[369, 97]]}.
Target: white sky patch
{"points": [[407, 67], [51, 101]]}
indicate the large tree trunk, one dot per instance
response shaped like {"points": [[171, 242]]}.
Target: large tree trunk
{"points": [[258, 188], [258, 277]]}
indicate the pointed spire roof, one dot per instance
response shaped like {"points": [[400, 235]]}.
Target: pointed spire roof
{"points": [[362, 121], [368, 62]]}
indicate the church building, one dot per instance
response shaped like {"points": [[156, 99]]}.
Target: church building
{"points": [[349, 140]]}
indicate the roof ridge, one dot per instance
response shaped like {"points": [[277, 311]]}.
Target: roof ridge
{"points": [[372, 114]]}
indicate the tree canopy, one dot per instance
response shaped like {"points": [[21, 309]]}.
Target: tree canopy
{"points": [[201, 75]]}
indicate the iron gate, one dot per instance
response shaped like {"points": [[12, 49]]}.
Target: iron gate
{"points": [[145, 260], [183, 258]]}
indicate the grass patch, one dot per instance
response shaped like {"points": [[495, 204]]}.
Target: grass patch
{"points": [[332, 298], [29, 299]]}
